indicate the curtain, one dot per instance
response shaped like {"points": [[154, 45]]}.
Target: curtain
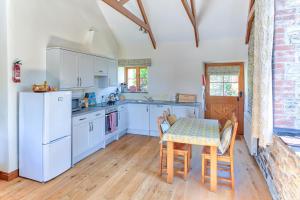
{"points": [[145, 62], [226, 70], [262, 110]]}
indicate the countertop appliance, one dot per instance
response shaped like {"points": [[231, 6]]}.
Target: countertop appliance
{"points": [[44, 134], [76, 104]]}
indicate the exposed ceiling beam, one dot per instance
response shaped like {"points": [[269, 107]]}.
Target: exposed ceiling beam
{"points": [[118, 6], [191, 12], [250, 20], [122, 2], [140, 4]]}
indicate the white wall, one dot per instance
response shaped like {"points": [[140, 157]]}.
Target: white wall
{"points": [[3, 86], [178, 67], [33, 25]]}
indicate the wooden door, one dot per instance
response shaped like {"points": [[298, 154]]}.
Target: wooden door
{"points": [[224, 92]]}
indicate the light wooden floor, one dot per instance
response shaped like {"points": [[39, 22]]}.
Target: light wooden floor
{"points": [[127, 169]]}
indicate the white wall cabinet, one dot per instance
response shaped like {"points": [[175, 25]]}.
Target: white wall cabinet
{"points": [[113, 74], [68, 72], [68, 69], [138, 119], [85, 70], [100, 66], [88, 135], [155, 112]]}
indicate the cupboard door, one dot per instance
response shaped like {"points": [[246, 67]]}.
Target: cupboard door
{"points": [[123, 119], [97, 134], [112, 74], [138, 118], [85, 70], [185, 112], [80, 138], [100, 66], [69, 70], [155, 112]]}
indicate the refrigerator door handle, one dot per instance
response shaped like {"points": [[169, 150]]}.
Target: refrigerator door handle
{"points": [[53, 141]]}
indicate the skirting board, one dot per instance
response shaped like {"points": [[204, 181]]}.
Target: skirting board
{"points": [[9, 176]]}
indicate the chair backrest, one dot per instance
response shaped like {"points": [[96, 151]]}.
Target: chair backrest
{"points": [[159, 122], [234, 132]]}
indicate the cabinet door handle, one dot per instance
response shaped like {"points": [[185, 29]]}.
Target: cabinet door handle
{"points": [[90, 127], [77, 81], [80, 81], [101, 71], [82, 119], [98, 114]]}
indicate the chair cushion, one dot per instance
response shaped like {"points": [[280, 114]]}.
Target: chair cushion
{"points": [[225, 140], [226, 125], [165, 126], [171, 119]]}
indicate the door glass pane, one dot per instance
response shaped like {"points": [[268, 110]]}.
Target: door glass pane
{"points": [[131, 77], [231, 78], [144, 79], [216, 78], [216, 89], [231, 89]]}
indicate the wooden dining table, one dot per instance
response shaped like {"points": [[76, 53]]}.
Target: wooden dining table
{"points": [[204, 132]]}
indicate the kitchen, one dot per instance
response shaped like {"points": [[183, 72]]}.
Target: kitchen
{"points": [[84, 83]]}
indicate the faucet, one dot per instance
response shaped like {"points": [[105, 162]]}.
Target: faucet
{"points": [[148, 98]]}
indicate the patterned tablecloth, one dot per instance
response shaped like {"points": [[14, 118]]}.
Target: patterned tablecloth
{"points": [[194, 131]]}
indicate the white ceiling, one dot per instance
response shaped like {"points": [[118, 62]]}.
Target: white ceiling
{"points": [[217, 19]]}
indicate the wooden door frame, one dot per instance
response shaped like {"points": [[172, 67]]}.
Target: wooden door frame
{"points": [[241, 86]]}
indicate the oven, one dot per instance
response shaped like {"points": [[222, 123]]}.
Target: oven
{"points": [[111, 120]]}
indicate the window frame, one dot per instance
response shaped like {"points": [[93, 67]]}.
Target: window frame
{"points": [[138, 76]]}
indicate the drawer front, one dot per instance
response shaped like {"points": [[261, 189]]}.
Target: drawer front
{"points": [[122, 107], [97, 114], [81, 119]]}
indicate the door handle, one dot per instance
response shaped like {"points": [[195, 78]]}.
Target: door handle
{"points": [[240, 94]]}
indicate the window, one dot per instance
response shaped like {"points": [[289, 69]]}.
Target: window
{"points": [[224, 85], [136, 78]]}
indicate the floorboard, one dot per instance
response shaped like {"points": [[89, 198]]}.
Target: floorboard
{"points": [[128, 169]]}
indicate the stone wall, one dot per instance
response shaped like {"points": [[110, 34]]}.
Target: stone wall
{"points": [[287, 64], [281, 168], [250, 70]]}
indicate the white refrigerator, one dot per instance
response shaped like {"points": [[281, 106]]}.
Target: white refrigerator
{"points": [[44, 134]]}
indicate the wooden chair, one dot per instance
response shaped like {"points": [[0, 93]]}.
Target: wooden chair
{"points": [[225, 161], [189, 146], [180, 151]]}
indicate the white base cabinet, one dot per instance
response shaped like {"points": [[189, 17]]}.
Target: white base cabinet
{"points": [[186, 111], [138, 119], [155, 112], [88, 135]]}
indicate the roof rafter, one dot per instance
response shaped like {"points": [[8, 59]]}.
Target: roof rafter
{"points": [[191, 12], [118, 6], [250, 20], [122, 2]]}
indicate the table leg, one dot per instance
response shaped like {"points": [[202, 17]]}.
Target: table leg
{"points": [[170, 161], [213, 168]]}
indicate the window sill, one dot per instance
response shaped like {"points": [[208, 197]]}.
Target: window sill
{"points": [[134, 92], [290, 137]]}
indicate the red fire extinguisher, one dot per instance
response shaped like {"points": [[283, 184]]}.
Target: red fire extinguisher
{"points": [[17, 71]]}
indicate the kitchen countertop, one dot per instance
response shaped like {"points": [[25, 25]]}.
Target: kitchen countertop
{"points": [[100, 107]]}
